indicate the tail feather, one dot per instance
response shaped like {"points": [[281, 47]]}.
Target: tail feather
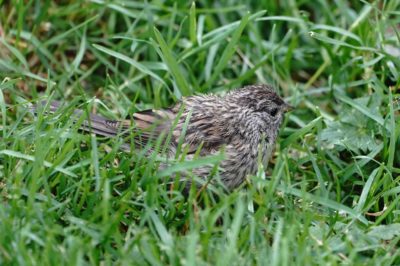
{"points": [[146, 125], [94, 124], [100, 126]]}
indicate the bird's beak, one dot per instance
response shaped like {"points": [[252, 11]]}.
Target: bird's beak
{"points": [[288, 108]]}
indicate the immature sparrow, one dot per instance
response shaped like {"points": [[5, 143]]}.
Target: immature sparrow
{"points": [[245, 123]]}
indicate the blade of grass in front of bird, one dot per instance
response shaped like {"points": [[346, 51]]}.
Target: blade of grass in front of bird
{"points": [[277, 243], [95, 162], [192, 243], [162, 231], [232, 234], [31, 158], [188, 165]]}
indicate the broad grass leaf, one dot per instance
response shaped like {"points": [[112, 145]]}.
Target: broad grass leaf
{"points": [[385, 232]]}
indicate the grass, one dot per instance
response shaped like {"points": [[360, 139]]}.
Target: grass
{"points": [[329, 196]]}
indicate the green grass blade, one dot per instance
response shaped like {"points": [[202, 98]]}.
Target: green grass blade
{"points": [[192, 23], [324, 202], [172, 64], [228, 51], [130, 61], [301, 132], [31, 158]]}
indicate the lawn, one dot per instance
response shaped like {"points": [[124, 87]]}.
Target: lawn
{"points": [[329, 196]]}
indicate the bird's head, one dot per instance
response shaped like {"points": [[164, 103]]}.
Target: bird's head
{"points": [[262, 102]]}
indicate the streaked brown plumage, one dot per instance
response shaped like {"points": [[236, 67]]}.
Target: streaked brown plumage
{"points": [[245, 122]]}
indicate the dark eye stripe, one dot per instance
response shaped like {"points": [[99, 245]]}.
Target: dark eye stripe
{"points": [[274, 111]]}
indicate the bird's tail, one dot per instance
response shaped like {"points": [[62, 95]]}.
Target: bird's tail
{"points": [[93, 123], [144, 128]]}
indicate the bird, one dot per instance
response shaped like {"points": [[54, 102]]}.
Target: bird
{"points": [[244, 123]]}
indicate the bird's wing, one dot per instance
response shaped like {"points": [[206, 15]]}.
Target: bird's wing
{"points": [[144, 128], [203, 128]]}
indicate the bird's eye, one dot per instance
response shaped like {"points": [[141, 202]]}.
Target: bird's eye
{"points": [[273, 111]]}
